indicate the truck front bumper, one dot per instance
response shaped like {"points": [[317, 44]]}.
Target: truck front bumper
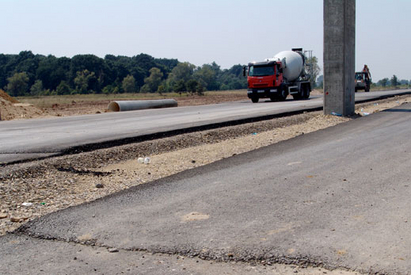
{"points": [[262, 93]]}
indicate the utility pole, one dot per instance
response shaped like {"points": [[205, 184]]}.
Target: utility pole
{"points": [[339, 57]]}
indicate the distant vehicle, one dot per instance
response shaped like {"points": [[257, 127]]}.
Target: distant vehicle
{"points": [[277, 77], [362, 81]]}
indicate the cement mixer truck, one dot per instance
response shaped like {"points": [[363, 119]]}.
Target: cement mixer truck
{"points": [[277, 77]]}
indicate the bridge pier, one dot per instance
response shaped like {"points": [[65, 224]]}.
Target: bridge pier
{"points": [[339, 57]]}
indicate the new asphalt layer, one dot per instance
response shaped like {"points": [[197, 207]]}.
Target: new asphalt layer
{"points": [[335, 198]]}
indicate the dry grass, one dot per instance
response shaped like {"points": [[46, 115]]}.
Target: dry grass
{"points": [[49, 101]]}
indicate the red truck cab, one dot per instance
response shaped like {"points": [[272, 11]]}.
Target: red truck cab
{"points": [[265, 80]]}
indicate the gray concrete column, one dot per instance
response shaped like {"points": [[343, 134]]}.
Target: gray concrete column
{"points": [[339, 57]]}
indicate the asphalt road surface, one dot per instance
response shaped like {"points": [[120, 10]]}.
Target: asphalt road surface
{"points": [[338, 197], [34, 138]]}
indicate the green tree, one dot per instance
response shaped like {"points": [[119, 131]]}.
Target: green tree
{"points": [[224, 87], [178, 77], [394, 81], [403, 82], [200, 89], [206, 75], [145, 89], [28, 63], [108, 71], [94, 65], [154, 80], [36, 88], [191, 86], [161, 89], [129, 84], [82, 81], [232, 79], [313, 70], [169, 84], [215, 85], [63, 88], [183, 71], [116, 90], [180, 86], [51, 71], [17, 84], [383, 82], [108, 89]]}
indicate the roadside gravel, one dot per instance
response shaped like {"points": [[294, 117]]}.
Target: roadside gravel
{"points": [[30, 190]]}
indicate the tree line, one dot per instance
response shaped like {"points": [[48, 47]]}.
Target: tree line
{"points": [[33, 74], [393, 82], [385, 82]]}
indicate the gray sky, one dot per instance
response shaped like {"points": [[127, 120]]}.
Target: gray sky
{"points": [[228, 32]]}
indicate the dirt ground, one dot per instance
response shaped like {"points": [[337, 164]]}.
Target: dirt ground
{"points": [[30, 190], [11, 109]]}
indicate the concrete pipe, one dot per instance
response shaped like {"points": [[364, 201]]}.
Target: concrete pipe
{"points": [[121, 106]]}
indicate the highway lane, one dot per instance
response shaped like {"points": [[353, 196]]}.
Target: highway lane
{"points": [[337, 197], [27, 139]]}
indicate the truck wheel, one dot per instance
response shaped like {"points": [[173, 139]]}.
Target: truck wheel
{"points": [[282, 95], [302, 92], [306, 93], [254, 99]]}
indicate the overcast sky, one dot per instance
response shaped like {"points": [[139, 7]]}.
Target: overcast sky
{"points": [[228, 32]]}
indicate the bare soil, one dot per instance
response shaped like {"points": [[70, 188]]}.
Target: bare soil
{"points": [[11, 109]]}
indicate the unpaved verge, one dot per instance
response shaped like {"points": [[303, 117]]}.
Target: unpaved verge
{"points": [[43, 107], [10, 108]]}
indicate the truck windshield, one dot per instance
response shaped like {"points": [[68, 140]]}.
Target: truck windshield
{"points": [[261, 70], [359, 76]]}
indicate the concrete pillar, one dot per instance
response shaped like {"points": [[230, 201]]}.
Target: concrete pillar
{"points": [[339, 57]]}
